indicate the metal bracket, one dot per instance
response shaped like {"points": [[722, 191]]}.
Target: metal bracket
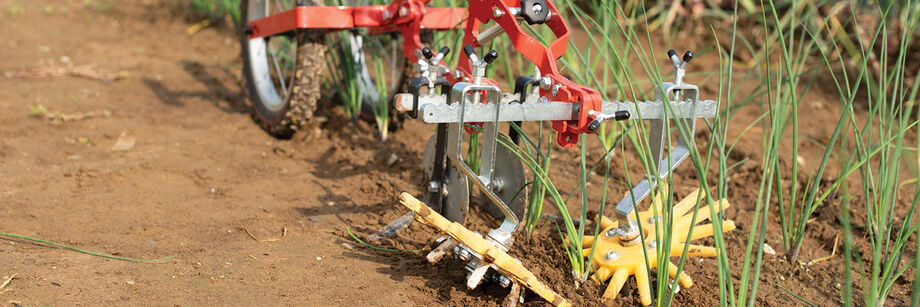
{"points": [[672, 95], [468, 95]]}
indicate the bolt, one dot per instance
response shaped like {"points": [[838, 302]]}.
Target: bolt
{"points": [[403, 11], [432, 186], [651, 220], [497, 184], [652, 244], [611, 232], [504, 281], [537, 8], [497, 13], [545, 82], [542, 100], [463, 254], [611, 256], [556, 89], [386, 15]]}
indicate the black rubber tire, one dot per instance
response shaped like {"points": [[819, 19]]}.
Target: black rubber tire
{"points": [[304, 92]]}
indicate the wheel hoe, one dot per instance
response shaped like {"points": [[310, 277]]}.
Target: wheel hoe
{"points": [[462, 100]]}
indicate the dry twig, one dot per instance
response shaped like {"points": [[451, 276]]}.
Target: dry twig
{"points": [[283, 234]]}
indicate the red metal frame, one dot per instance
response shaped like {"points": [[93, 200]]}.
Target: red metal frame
{"points": [[406, 16], [410, 16]]}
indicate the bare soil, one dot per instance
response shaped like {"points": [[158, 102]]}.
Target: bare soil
{"points": [[201, 174]]}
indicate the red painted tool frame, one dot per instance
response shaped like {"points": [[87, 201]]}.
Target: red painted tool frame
{"points": [[410, 16]]}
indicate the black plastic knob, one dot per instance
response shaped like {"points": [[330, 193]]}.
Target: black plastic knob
{"points": [[672, 53], [594, 125], [427, 53], [621, 115], [469, 50], [490, 56], [444, 51], [688, 56], [534, 11]]}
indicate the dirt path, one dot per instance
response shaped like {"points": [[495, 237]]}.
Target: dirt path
{"points": [[200, 172]]}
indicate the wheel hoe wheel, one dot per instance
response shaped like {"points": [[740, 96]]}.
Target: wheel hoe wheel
{"points": [[282, 73]]}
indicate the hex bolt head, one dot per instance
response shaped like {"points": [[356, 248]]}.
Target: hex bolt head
{"points": [[612, 232], [611, 256], [497, 13], [652, 244], [463, 254], [504, 281], [546, 82], [556, 89]]}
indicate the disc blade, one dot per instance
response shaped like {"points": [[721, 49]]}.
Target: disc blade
{"points": [[456, 200], [509, 171]]}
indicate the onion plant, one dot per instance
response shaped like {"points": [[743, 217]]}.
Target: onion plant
{"points": [[881, 139], [342, 65]]}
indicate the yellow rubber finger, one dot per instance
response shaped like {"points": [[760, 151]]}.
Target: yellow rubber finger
{"points": [[722, 204], [616, 284], [696, 251], [684, 279], [702, 231], [728, 225], [645, 294], [606, 222], [587, 241], [687, 203], [706, 230], [602, 274]]}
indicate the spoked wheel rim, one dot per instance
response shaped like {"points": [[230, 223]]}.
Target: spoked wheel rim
{"points": [[272, 59], [382, 68]]}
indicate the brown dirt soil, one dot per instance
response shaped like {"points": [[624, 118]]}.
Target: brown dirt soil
{"points": [[202, 173]]}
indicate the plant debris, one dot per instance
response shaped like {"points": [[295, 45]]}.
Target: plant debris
{"points": [[59, 118], [82, 71], [6, 283], [283, 234]]}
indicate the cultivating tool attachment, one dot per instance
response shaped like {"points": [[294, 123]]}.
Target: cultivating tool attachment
{"points": [[615, 255], [487, 258]]}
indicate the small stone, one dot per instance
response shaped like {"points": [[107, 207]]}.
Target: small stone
{"points": [[316, 218], [330, 204], [318, 258], [74, 157], [65, 59], [125, 298], [769, 249], [392, 160], [781, 277], [348, 246], [800, 161], [124, 143], [130, 282]]}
